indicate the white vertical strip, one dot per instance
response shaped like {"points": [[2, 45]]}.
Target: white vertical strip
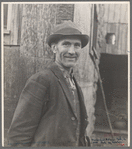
{"points": [[117, 13], [124, 13], [2, 76], [9, 16], [106, 11], [111, 13], [14, 25], [128, 14]]}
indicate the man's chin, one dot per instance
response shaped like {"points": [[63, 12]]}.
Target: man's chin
{"points": [[69, 65]]}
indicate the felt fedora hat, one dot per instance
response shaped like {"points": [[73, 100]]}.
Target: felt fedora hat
{"points": [[66, 29]]}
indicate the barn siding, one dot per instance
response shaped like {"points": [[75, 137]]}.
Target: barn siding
{"points": [[114, 22], [14, 24]]}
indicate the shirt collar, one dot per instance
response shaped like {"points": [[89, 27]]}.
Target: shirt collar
{"points": [[66, 74]]}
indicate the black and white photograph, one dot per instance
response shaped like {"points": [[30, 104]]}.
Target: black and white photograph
{"points": [[65, 74]]}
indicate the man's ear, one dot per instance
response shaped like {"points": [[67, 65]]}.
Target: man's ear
{"points": [[54, 47]]}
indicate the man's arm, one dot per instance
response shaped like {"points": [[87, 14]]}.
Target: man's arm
{"points": [[28, 112]]}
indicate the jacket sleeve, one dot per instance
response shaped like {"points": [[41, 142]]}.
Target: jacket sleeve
{"points": [[28, 112]]}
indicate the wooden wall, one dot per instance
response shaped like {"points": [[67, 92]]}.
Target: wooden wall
{"points": [[113, 18]]}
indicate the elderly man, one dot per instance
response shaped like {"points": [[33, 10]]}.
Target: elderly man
{"points": [[51, 110]]}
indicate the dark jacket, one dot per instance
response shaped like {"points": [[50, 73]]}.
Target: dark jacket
{"points": [[44, 114]]}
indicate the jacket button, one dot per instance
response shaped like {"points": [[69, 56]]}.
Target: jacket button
{"points": [[73, 118]]}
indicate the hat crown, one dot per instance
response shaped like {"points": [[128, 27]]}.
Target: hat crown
{"points": [[67, 28]]}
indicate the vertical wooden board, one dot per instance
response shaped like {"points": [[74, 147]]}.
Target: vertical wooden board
{"points": [[115, 47], [102, 31], [120, 40], [122, 47], [14, 24], [9, 16], [113, 29], [124, 13], [106, 12], [108, 46], [123, 32], [117, 13], [127, 41], [111, 13], [20, 10]]}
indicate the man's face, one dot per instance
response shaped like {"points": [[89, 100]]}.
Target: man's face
{"points": [[68, 51]]}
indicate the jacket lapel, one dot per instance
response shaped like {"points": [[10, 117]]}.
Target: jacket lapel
{"points": [[83, 112], [81, 98], [57, 72]]}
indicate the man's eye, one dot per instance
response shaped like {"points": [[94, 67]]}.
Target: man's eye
{"points": [[77, 45], [66, 43]]}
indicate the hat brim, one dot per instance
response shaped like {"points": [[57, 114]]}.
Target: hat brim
{"points": [[56, 37]]}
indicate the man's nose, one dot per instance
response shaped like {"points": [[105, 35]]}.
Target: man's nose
{"points": [[71, 50]]}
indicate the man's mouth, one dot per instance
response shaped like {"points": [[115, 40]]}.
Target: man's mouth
{"points": [[70, 56]]}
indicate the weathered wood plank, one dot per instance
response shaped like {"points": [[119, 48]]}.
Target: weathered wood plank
{"points": [[108, 46], [115, 47], [19, 19], [117, 17], [124, 13], [111, 12], [123, 42], [118, 14], [14, 25], [106, 12], [9, 16]]}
